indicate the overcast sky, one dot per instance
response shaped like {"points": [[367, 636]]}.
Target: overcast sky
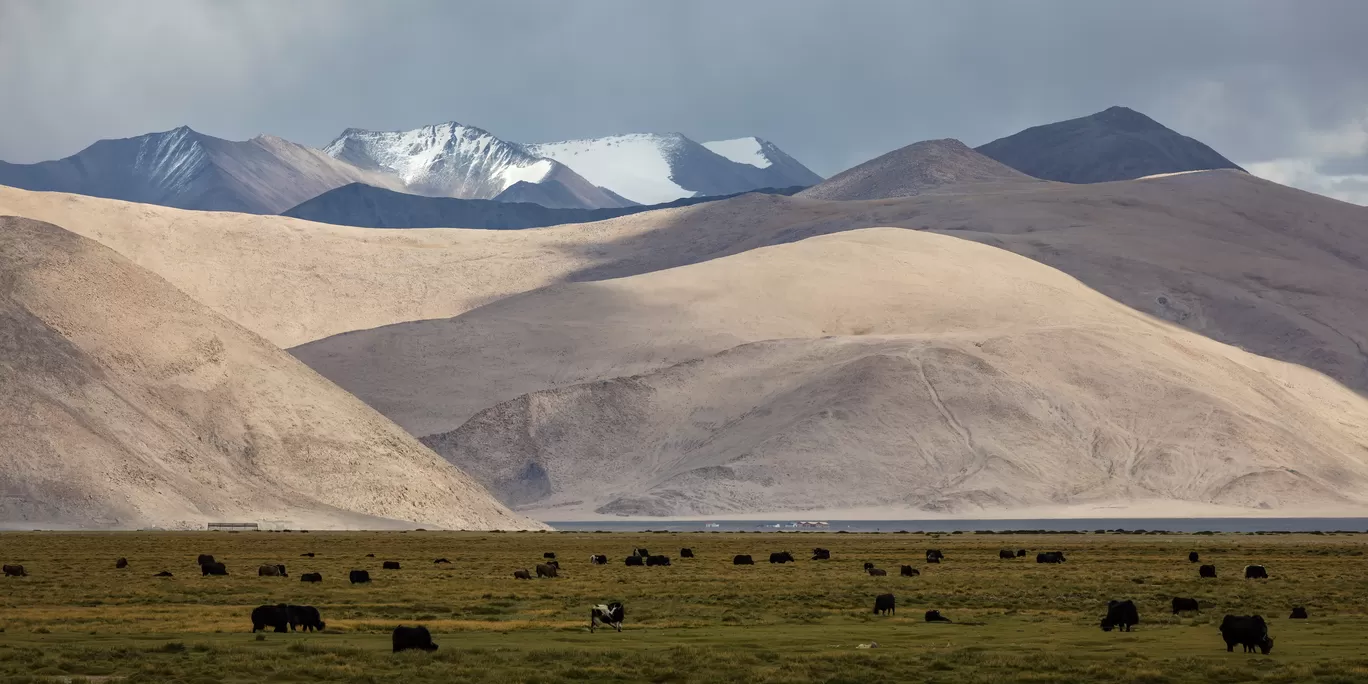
{"points": [[1279, 87]]}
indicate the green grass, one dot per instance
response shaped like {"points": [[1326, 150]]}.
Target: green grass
{"points": [[700, 620]]}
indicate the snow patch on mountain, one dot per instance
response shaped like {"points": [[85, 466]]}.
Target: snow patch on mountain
{"points": [[170, 160], [749, 150], [535, 172], [449, 159], [637, 166]]}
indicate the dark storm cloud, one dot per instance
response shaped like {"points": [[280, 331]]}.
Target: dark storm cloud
{"points": [[833, 83]]}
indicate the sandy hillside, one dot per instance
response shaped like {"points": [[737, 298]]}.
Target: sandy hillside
{"points": [[127, 404], [908, 369], [920, 167], [1273, 270]]}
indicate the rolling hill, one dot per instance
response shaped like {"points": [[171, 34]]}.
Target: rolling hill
{"points": [[1263, 267], [880, 368], [127, 404], [920, 167]]}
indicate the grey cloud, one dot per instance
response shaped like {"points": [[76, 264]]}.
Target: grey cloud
{"points": [[833, 83], [1344, 166]]}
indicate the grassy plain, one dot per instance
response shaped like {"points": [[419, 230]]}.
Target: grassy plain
{"points": [[700, 620]]}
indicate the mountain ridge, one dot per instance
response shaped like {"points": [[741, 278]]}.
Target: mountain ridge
{"points": [[186, 169], [914, 169], [1117, 143], [654, 168], [365, 206], [455, 160]]}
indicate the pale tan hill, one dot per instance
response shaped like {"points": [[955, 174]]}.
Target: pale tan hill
{"points": [[920, 167], [127, 404], [433, 375], [918, 371], [1273, 270]]}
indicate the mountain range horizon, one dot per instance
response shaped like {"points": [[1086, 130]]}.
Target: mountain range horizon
{"points": [[949, 322]]}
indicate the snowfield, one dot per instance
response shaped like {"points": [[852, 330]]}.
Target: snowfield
{"points": [[742, 151], [636, 166]]}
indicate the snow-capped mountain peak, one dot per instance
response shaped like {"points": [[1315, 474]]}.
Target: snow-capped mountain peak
{"points": [[638, 166], [454, 160], [447, 159], [652, 168], [170, 160], [748, 150]]}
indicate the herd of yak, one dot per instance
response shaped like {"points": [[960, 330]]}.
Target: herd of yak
{"points": [[1249, 631]]}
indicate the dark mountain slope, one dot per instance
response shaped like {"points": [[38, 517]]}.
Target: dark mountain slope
{"points": [[1116, 144]]}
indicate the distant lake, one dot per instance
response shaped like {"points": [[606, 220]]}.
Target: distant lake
{"points": [[1052, 525]]}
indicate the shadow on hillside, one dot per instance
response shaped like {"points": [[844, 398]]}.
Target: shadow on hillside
{"points": [[1272, 270]]}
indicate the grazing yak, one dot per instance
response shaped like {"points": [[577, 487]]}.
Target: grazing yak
{"points": [[441, 561], [370, 555], [1006, 554], [935, 616], [389, 565], [636, 560], [934, 556], [909, 571], [1021, 553], [598, 559], [164, 573], [1207, 571], [743, 560], [311, 577], [884, 604], [359, 577], [271, 571], [548, 571], [781, 557], [522, 574], [686, 553], [1194, 557], [549, 555], [304, 618], [1298, 613], [877, 572], [204, 558], [657, 560], [276, 617], [121, 563], [1255, 572], [412, 639], [1050, 557], [1249, 631], [821, 554], [607, 613], [307, 555], [868, 565], [554, 563], [213, 569], [1121, 615], [1185, 605], [641, 552], [15, 571]]}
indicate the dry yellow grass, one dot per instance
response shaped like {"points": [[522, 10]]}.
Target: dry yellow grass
{"points": [[701, 620]]}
